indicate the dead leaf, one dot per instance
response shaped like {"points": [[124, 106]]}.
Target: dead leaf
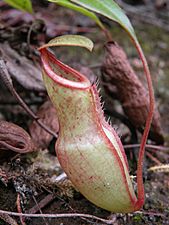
{"points": [[22, 69], [47, 115], [133, 96], [15, 138]]}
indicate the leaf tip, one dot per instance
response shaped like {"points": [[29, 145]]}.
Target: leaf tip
{"points": [[69, 40]]}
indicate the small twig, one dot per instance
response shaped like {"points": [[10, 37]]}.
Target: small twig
{"points": [[5, 77], [41, 204], [156, 147], [39, 208], [151, 213], [154, 159], [29, 32], [62, 215], [50, 197], [18, 204], [155, 151]]}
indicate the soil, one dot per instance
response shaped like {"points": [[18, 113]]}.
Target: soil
{"points": [[32, 176]]}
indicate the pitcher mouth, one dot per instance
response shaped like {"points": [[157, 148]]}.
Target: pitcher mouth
{"points": [[71, 78]]}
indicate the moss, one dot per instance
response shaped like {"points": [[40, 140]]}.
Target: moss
{"points": [[137, 218]]}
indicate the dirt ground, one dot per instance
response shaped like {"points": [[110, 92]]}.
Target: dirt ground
{"points": [[28, 181]]}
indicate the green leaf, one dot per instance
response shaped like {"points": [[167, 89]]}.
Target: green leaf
{"points": [[109, 9], [68, 4], [24, 5], [70, 40]]}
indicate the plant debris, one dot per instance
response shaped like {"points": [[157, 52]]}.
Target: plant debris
{"points": [[22, 69], [47, 114], [119, 78], [15, 138]]}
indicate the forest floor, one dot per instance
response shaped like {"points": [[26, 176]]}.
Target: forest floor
{"points": [[28, 181]]}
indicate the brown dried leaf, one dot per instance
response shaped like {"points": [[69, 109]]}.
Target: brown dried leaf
{"points": [[15, 138], [22, 69], [133, 96], [47, 115]]}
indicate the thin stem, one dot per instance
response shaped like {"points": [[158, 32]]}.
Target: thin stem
{"points": [[107, 34], [19, 208], [44, 219], [155, 147], [105, 31], [140, 184], [154, 159], [62, 215]]}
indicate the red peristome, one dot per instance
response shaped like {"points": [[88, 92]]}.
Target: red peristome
{"points": [[47, 56]]}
